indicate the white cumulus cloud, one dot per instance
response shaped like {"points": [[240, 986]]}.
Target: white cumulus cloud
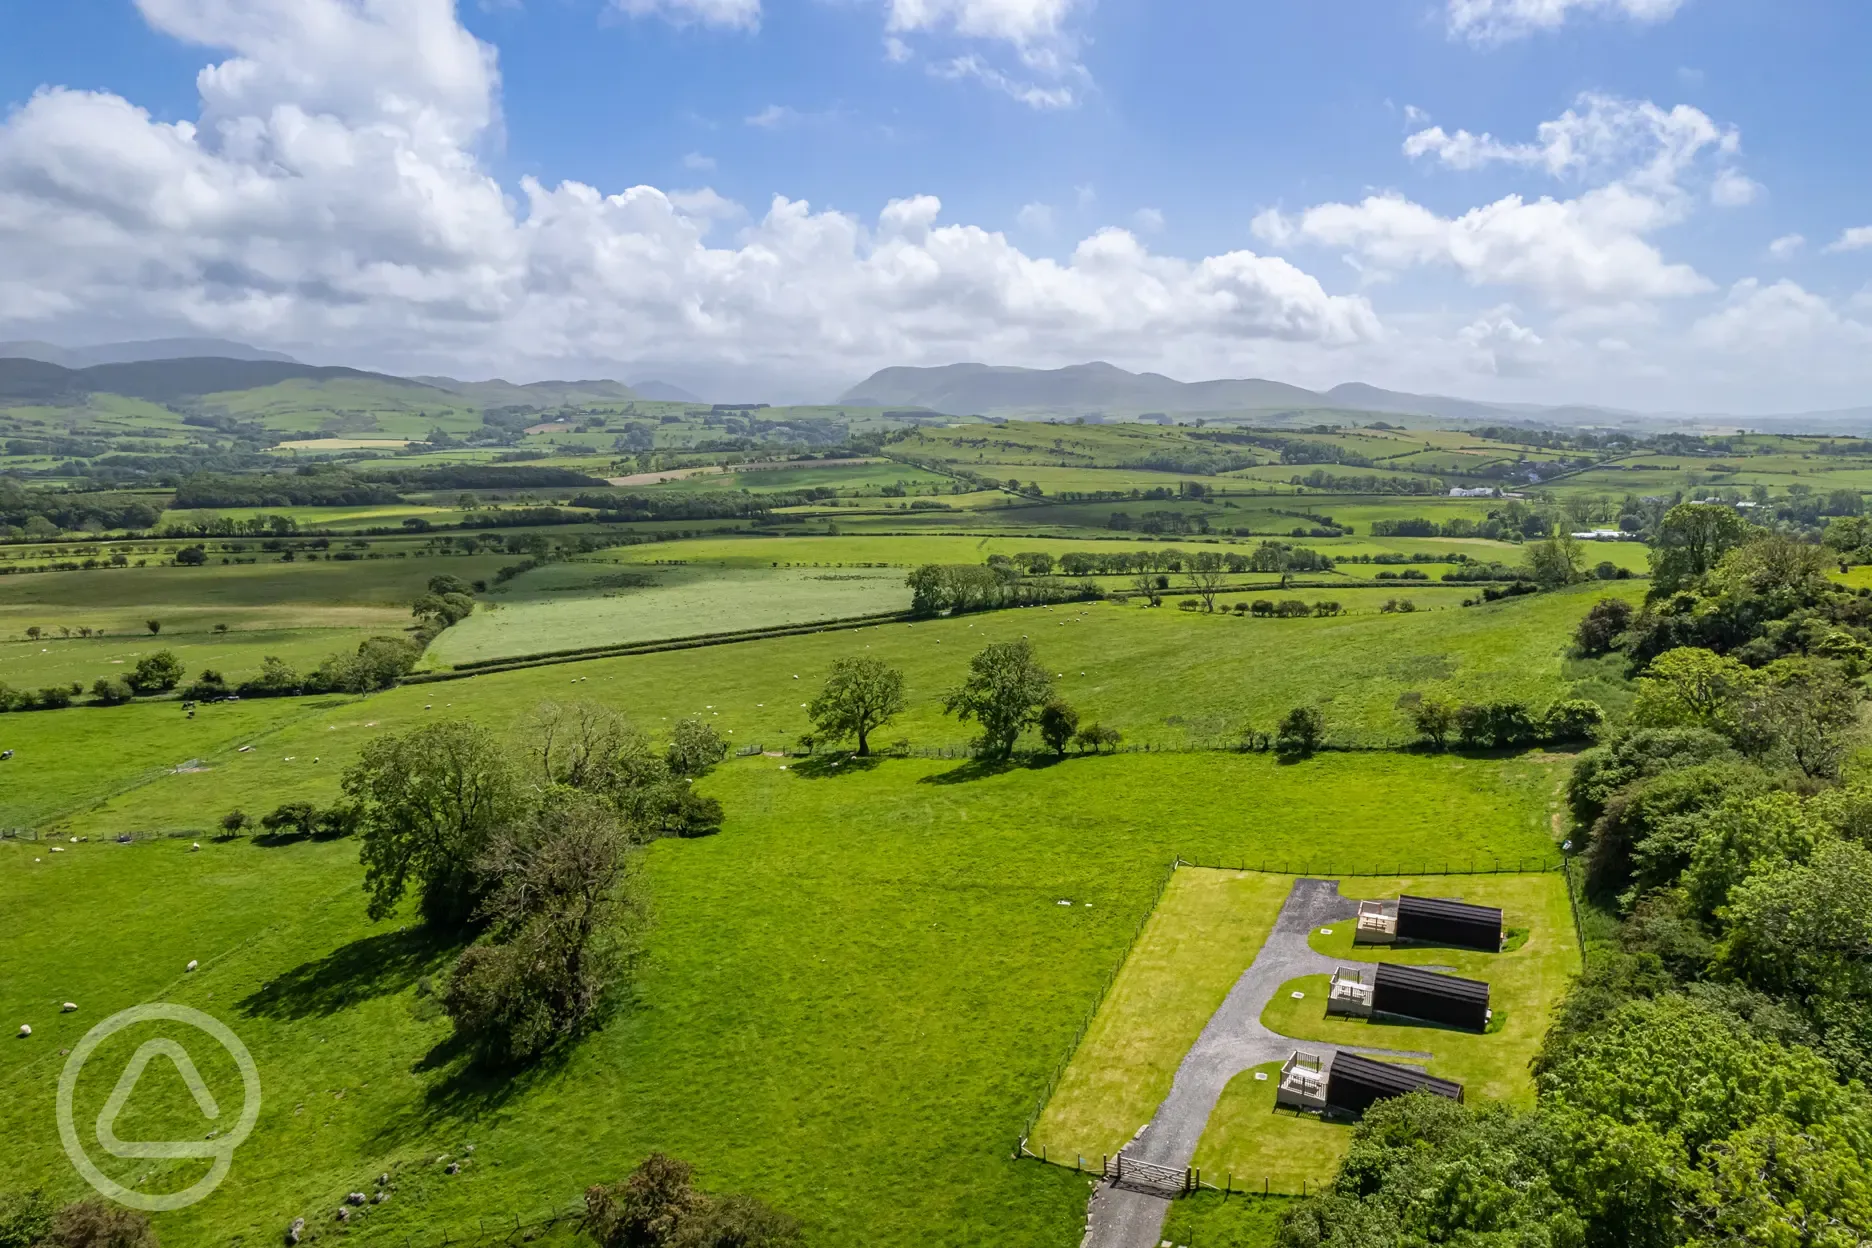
{"points": [[1857, 238], [1498, 21], [1602, 137], [1039, 33], [330, 194], [1787, 246]]}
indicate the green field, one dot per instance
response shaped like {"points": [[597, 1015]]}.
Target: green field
{"points": [[1165, 677], [573, 605], [850, 996], [1201, 936], [302, 612]]}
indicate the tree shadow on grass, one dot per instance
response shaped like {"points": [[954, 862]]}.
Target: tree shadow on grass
{"points": [[468, 1087], [375, 966], [829, 767], [980, 769]]}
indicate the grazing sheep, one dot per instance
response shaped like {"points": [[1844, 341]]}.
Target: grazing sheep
{"points": [[192, 964], [68, 1007], [25, 1030], [294, 1231]]}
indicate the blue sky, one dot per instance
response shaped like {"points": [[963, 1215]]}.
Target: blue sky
{"points": [[1548, 200]]}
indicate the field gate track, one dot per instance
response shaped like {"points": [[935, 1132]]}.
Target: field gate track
{"points": [[1163, 1180]]}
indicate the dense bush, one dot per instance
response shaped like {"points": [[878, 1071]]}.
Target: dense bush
{"points": [[658, 1206]]}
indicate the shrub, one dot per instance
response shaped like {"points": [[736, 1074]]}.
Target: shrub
{"points": [[292, 818], [54, 697], [111, 691], [97, 1223], [1300, 732], [1097, 737], [1599, 631], [1261, 607], [694, 747], [1573, 720], [236, 821], [208, 687], [658, 1206], [1059, 723], [1292, 609], [25, 1219], [156, 673]]}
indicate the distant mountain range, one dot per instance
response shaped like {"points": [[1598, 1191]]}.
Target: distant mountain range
{"points": [[137, 352], [167, 369], [193, 379], [1103, 390], [25, 380], [498, 393]]}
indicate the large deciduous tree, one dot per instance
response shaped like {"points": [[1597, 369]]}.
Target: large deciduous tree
{"points": [[1004, 691], [1690, 541], [860, 696], [561, 915], [429, 803]]}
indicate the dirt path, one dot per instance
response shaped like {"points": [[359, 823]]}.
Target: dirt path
{"points": [[1233, 1041]]}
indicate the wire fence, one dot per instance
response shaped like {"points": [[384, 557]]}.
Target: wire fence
{"points": [[1387, 867], [1097, 1001], [1193, 1179], [488, 1230], [120, 838]]}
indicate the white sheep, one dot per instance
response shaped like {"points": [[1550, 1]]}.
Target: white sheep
{"points": [[25, 1030], [68, 1007], [192, 964]]}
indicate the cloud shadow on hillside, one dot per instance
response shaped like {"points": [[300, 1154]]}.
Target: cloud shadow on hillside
{"points": [[375, 966]]}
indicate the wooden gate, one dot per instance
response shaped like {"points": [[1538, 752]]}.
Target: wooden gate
{"points": [[1147, 1175]]}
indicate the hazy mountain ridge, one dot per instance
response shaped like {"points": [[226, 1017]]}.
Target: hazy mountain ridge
{"points": [[165, 381], [1100, 389], [496, 392], [138, 352]]}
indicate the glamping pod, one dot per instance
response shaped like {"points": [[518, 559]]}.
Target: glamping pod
{"points": [[1354, 1083], [1349, 1084], [1439, 921], [1411, 992]]}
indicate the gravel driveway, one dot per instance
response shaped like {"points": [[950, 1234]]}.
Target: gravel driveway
{"points": [[1233, 1041]]}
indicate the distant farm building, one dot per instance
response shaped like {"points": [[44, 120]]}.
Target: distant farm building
{"points": [[1349, 1084], [1480, 491], [1428, 920]]}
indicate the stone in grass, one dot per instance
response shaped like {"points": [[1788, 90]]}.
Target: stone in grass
{"points": [[356, 1198]]}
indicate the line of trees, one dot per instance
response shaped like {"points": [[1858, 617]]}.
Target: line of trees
{"points": [[957, 588]]}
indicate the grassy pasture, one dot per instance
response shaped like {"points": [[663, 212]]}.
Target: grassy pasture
{"points": [[1199, 939], [236, 654], [1165, 677], [569, 605], [389, 515], [301, 612], [849, 999], [852, 478], [1254, 1144]]}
